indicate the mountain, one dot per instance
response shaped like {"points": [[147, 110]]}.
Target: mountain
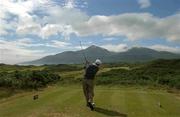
{"points": [[141, 54], [136, 54]]}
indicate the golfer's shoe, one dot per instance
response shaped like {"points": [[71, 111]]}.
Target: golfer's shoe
{"points": [[91, 103], [91, 106]]}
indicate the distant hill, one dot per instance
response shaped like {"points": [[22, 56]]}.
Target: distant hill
{"points": [[136, 54]]}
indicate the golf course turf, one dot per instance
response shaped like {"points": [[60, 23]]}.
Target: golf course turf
{"points": [[68, 101]]}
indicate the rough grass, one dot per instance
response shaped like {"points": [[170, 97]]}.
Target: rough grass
{"points": [[68, 101]]}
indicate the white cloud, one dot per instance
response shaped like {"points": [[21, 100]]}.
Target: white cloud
{"points": [[79, 47], [115, 48], [60, 15], [23, 7], [27, 25], [74, 4], [58, 20], [3, 28], [55, 29], [22, 17], [64, 46], [15, 51], [134, 26], [165, 48], [110, 39], [27, 43], [144, 3], [50, 29], [69, 4], [5, 25], [61, 20], [59, 44], [17, 8]]}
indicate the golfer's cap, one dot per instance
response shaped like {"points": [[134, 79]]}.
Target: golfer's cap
{"points": [[98, 62]]}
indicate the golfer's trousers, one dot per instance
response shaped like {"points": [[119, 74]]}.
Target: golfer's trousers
{"points": [[88, 89]]}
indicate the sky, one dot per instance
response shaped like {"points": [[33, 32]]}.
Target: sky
{"points": [[31, 29]]}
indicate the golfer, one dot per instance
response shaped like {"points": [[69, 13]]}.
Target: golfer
{"points": [[88, 82]]}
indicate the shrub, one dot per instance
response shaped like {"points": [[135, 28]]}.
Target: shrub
{"points": [[28, 79]]}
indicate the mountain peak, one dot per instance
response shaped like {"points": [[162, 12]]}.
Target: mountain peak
{"points": [[143, 49], [93, 47]]}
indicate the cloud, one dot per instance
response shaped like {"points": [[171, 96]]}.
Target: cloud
{"points": [[109, 39], [59, 20], [62, 21], [3, 28], [144, 3], [19, 16], [134, 26], [69, 4], [27, 25], [55, 29], [165, 48], [55, 19], [74, 4], [50, 29], [5, 24], [115, 48], [27, 43], [59, 44], [23, 7], [19, 8], [16, 51], [64, 45], [57, 14], [19, 50]]}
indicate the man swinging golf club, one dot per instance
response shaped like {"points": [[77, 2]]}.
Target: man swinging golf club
{"points": [[88, 81]]}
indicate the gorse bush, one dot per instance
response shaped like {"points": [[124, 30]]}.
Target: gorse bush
{"points": [[62, 68], [27, 79], [160, 72]]}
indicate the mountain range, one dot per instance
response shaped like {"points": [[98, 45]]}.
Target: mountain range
{"points": [[135, 54]]}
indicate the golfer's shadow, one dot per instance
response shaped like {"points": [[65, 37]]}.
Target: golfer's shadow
{"points": [[108, 112]]}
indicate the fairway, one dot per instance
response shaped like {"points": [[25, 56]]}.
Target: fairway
{"points": [[65, 101]]}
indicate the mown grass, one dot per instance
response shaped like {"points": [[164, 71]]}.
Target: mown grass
{"points": [[68, 101]]}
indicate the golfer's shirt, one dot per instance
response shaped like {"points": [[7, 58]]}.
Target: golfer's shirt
{"points": [[91, 71]]}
